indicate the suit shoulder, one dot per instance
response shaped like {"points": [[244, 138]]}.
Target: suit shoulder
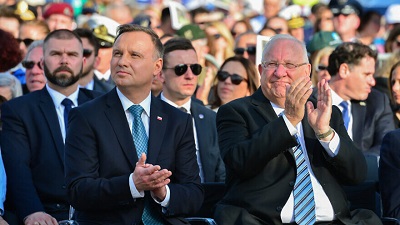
{"points": [[91, 93]]}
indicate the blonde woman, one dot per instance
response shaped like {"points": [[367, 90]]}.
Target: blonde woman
{"points": [[320, 65], [220, 41]]}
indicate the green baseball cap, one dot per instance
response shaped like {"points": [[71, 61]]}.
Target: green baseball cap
{"points": [[323, 39], [191, 32]]}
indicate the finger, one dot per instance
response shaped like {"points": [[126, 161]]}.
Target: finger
{"points": [[309, 107], [162, 183], [54, 221], [142, 160]]}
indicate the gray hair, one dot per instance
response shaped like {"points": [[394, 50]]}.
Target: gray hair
{"points": [[8, 80], [32, 46], [278, 37]]}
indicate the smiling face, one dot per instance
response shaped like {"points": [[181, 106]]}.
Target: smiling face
{"points": [[226, 90], [133, 63], [179, 89]]}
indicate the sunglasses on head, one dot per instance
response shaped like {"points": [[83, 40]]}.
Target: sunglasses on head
{"points": [[87, 53], [250, 50], [27, 41], [235, 79], [30, 64], [181, 69]]}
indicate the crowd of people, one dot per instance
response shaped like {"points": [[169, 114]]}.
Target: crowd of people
{"points": [[117, 114]]}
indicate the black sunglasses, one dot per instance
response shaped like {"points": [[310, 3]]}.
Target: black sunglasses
{"points": [[27, 41], [87, 53], [321, 67], [30, 64], [250, 50], [236, 79], [181, 69]]}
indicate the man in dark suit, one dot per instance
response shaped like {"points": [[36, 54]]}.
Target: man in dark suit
{"points": [[278, 150], [178, 90], [389, 174], [109, 180], [368, 112], [91, 51], [34, 132]]}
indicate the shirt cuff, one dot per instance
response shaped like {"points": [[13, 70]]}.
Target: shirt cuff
{"points": [[134, 192], [332, 147], [165, 202]]}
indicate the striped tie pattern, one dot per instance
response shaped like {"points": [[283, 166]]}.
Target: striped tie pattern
{"points": [[304, 205], [140, 138]]}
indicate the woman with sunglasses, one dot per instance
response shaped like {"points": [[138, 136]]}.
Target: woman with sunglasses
{"points": [[220, 41], [320, 65], [237, 78]]}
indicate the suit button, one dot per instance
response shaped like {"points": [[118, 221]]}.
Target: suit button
{"points": [[279, 208], [291, 183]]}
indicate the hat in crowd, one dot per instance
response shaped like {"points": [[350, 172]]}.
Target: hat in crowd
{"points": [[345, 7], [142, 20], [104, 29], [25, 11], [323, 39], [293, 15], [192, 32], [392, 14], [58, 8]]}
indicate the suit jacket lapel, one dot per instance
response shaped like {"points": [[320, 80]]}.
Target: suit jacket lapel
{"points": [[358, 113], [263, 106], [50, 115], [157, 129], [117, 118], [82, 97]]}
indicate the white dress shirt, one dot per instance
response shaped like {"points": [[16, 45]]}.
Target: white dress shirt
{"points": [[126, 103], [323, 207], [336, 100], [57, 99]]}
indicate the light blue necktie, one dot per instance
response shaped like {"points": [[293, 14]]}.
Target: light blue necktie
{"points": [[140, 139], [345, 113], [304, 205], [67, 103]]}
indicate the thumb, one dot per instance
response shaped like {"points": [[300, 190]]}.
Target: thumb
{"points": [[309, 107], [142, 160]]}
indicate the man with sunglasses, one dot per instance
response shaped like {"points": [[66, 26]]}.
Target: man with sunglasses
{"points": [[287, 155], [346, 18], [245, 45], [90, 51], [34, 130], [34, 74], [179, 77]]}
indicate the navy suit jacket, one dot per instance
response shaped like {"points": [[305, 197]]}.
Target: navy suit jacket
{"points": [[389, 174], [101, 86], [100, 155], [372, 119], [33, 153]]}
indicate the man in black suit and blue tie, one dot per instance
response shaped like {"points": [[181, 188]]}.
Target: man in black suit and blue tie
{"points": [[128, 154], [34, 131]]}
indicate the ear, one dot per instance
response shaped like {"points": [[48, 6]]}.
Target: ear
{"points": [[158, 64], [344, 70]]}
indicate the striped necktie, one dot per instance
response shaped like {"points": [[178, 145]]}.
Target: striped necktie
{"points": [[304, 205], [345, 113], [140, 140]]}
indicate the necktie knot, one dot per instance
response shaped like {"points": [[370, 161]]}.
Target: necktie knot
{"points": [[67, 103], [345, 105], [136, 110], [183, 109]]}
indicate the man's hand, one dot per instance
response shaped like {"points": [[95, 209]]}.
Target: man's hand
{"points": [[40, 218], [296, 97], [2, 221], [148, 177], [319, 117]]}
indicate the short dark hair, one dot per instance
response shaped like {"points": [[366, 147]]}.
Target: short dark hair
{"points": [[137, 28], [350, 53], [86, 33], [62, 34], [176, 43]]}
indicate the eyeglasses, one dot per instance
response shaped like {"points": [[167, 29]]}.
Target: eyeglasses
{"points": [[87, 53], [30, 64], [250, 50], [321, 68], [27, 41], [235, 78], [274, 65], [181, 69]]}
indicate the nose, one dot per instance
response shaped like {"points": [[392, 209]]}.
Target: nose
{"points": [[396, 86], [371, 81], [280, 71]]}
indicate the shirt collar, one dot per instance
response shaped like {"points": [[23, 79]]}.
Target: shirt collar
{"points": [[58, 97], [187, 104], [126, 103]]}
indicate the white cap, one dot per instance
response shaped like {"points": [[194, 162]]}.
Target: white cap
{"points": [[392, 14], [96, 20]]}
